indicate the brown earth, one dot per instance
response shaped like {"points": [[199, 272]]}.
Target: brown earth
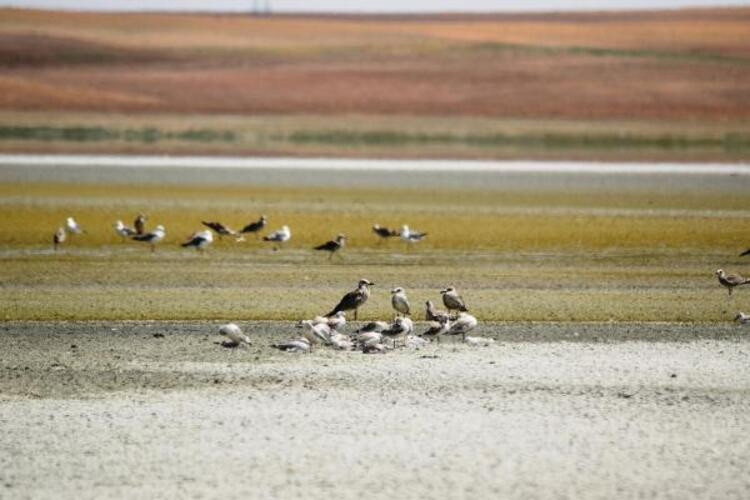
{"points": [[685, 65]]}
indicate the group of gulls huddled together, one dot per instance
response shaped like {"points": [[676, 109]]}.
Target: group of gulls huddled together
{"points": [[374, 336], [201, 239]]}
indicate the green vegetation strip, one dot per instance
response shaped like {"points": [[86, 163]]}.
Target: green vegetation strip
{"points": [[98, 134], [731, 142], [694, 56]]}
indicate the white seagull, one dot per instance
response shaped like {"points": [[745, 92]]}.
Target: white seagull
{"points": [[463, 325], [199, 240], [280, 236], [315, 333], [410, 236], [399, 301], [402, 327], [295, 345], [234, 335], [439, 327], [152, 237], [72, 226], [124, 230], [742, 318]]}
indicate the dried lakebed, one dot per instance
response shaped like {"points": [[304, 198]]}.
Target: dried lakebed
{"points": [[570, 410]]}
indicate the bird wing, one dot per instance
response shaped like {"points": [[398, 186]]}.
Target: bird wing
{"points": [[328, 245], [348, 302]]}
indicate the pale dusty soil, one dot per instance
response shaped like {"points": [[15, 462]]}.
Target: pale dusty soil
{"points": [[549, 411]]}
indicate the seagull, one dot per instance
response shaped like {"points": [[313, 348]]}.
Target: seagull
{"points": [[399, 301], [742, 318], [365, 339], [410, 236], [72, 226], [140, 224], [731, 280], [400, 328], [223, 230], [333, 246], [280, 236], [335, 322], [199, 240], [152, 237], [432, 314], [341, 341], [296, 345], [319, 333], [746, 252], [463, 325], [354, 299], [384, 232], [373, 326], [255, 227], [123, 230], [438, 327], [234, 335], [59, 237], [452, 300]]}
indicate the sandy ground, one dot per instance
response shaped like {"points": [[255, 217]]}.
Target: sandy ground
{"points": [[549, 411]]}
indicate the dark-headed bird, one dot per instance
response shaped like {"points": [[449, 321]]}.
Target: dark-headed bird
{"points": [[452, 300], [384, 232], [432, 314], [140, 224], [730, 280], [199, 240], [333, 245], [152, 237], [59, 237], [354, 299], [222, 229], [255, 227]]}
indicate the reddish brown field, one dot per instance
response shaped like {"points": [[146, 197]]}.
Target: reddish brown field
{"points": [[684, 65]]}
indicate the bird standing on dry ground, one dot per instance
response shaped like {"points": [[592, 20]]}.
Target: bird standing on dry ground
{"points": [[438, 327], [400, 328], [279, 236], [410, 236], [255, 227], [199, 240], [234, 335], [400, 302], [123, 230], [730, 280], [333, 245], [59, 237], [742, 318], [432, 314], [463, 325], [152, 237], [354, 299], [72, 226], [140, 224], [452, 300]]}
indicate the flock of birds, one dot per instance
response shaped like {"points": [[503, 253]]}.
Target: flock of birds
{"points": [[202, 239], [374, 337]]}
